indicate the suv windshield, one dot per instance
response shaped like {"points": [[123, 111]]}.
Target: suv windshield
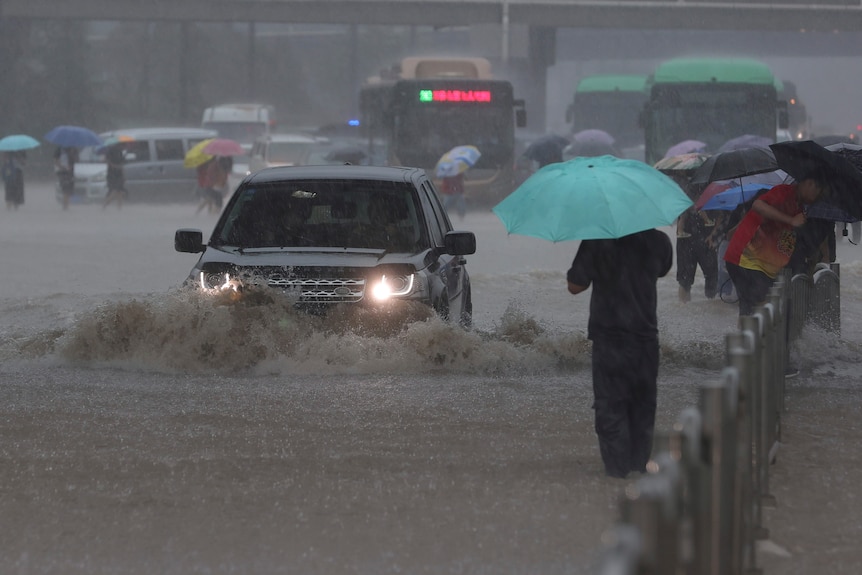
{"points": [[323, 213]]}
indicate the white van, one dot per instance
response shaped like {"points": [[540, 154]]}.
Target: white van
{"points": [[153, 170], [243, 123]]}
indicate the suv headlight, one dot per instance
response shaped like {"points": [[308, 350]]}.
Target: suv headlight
{"points": [[392, 286], [217, 282]]}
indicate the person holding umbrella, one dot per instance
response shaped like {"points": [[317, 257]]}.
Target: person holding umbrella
{"points": [[623, 327], [613, 205], [15, 147], [450, 169], [68, 139], [13, 178], [765, 239]]}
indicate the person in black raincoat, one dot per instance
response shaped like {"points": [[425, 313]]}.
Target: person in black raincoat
{"points": [[624, 330]]}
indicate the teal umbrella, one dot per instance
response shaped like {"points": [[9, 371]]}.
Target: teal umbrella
{"points": [[18, 142], [590, 198]]}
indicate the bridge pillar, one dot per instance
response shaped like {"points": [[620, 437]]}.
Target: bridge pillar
{"points": [[541, 54]]}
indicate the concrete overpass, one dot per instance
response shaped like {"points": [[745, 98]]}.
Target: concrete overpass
{"points": [[821, 15], [533, 32]]}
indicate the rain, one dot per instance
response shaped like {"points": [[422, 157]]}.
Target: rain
{"points": [[147, 427]]}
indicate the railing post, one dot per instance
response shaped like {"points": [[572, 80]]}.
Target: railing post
{"points": [[623, 553], [685, 446], [753, 324], [767, 372], [650, 504], [718, 406], [740, 356]]}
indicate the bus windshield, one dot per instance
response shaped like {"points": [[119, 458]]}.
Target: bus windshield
{"points": [[423, 134], [710, 113], [614, 112]]}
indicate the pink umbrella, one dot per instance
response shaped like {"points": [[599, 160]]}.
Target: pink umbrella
{"points": [[686, 147], [223, 147]]}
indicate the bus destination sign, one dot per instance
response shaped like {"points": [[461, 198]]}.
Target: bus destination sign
{"points": [[470, 96]]}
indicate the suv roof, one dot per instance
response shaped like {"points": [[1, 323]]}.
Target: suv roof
{"points": [[341, 171]]}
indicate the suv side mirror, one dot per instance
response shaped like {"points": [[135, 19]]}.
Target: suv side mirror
{"points": [[460, 243], [189, 241]]}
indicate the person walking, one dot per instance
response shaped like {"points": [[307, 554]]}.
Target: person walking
{"points": [[13, 178], [204, 186], [452, 188], [765, 239], [115, 158], [693, 249], [623, 327], [64, 167]]}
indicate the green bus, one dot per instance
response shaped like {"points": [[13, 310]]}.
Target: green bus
{"points": [[610, 102], [712, 100]]}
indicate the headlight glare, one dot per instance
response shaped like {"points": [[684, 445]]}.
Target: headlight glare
{"points": [[388, 287], [218, 282]]}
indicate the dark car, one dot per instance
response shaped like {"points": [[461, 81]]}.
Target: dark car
{"points": [[323, 236]]}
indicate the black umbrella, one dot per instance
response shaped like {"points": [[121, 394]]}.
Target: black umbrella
{"points": [[735, 164], [806, 158], [851, 152], [547, 149]]}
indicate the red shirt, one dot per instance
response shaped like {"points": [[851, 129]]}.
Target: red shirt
{"points": [[762, 244], [453, 185]]}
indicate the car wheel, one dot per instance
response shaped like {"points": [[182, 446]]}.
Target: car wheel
{"points": [[467, 309]]}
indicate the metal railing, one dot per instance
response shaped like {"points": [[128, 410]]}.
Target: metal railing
{"points": [[699, 509]]}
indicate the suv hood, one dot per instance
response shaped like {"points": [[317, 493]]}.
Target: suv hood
{"points": [[308, 257]]}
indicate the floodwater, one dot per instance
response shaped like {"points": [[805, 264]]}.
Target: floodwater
{"points": [[146, 430]]}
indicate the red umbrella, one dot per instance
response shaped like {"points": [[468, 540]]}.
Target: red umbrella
{"points": [[223, 147]]}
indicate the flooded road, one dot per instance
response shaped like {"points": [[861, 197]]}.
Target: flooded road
{"points": [[145, 430]]}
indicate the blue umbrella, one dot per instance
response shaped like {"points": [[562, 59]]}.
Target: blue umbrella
{"points": [[18, 142], [732, 197], [457, 161], [591, 198], [73, 137]]}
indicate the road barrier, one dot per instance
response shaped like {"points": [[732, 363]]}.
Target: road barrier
{"points": [[699, 508]]}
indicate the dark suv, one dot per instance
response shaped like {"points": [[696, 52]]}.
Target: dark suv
{"points": [[327, 235]]}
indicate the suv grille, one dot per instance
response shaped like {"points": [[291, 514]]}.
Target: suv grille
{"points": [[321, 290]]}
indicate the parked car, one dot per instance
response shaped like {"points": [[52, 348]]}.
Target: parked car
{"points": [[153, 170], [331, 235]]}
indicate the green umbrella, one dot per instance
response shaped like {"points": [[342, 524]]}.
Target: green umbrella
{"points": [[590, 198]]}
